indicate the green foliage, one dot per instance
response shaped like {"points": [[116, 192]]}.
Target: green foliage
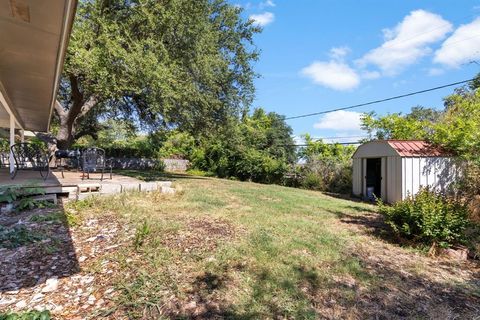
{"points": [[177, 145], [22, 197], [458, 129], [429, 218], [159, 63], [416, 125], [141, 233], [259, 148], [327, 167], [28, 315], [17, 236], [54, 217]]}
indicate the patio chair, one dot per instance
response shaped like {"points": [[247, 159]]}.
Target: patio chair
{"points": [[93, 160], [29, 156]]}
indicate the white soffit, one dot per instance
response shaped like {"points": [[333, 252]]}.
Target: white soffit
{"points": [[33, 40]]}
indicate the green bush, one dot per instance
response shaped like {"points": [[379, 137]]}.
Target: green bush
{"points": [[429, 217]]}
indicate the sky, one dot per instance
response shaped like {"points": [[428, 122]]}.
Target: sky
{"points": [[318, 55]]}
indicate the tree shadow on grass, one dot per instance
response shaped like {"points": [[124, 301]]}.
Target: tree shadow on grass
{"points": [[35, 245], [153, 175], [402, 294]]}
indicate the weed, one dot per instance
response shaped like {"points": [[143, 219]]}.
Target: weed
{"points": [[28, 315], [141, 233], [17, 236]]}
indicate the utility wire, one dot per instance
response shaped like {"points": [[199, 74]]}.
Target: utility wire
{"points": [[379, 101]]}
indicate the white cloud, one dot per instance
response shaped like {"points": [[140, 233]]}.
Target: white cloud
{"points": [[332, 74], [338, 53], [263, 19], [370, 75], [435, 72], [407, 42], [461, 47], [267, 3], [349, 121]]}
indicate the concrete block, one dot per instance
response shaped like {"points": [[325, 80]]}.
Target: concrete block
{"points": [[168, 190], [164, 184], [148, 186], [126, 187], [111, 188]]}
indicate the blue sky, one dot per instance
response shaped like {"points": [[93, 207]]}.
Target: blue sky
{"points": [[318, 55]]}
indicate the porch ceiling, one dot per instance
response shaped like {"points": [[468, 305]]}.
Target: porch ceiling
{"points": [[33, 40]]}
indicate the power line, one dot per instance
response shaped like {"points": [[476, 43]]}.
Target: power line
{"points": [[342, 143], [379, 101]]}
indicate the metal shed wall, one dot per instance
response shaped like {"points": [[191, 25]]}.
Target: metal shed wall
{"points": [[406, 166], [435, 172]]}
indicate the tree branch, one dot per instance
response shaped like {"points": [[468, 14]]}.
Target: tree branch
{"points": [[59, 109]]}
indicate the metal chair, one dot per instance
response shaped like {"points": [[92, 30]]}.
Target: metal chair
{"points": [[93, 160], [29, 156]]}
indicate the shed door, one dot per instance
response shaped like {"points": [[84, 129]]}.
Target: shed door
{"points": [[374, 178]]}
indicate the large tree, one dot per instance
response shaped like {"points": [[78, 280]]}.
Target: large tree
{"points": [[170, 63]]}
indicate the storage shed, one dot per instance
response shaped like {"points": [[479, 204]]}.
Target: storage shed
{"points": [[394, 169]]}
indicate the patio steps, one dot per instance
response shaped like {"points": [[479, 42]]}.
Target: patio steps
{"points": [[85, 190]]}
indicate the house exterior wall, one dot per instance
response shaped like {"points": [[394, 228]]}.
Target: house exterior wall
{"points": [[435, 172]]}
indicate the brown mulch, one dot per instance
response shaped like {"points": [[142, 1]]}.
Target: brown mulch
{"points": [[53, 274], [200, 235]]}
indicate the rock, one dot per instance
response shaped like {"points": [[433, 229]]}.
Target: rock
{"points": [[91, 299], [37, 297], [21, 304], [7, 302], [82, 259], [87, 280], [191, 305], [50, 285], [456, 253]]}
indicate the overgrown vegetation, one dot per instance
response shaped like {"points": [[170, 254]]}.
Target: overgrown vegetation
{"points": [[29, 315], [326, 167], [17, 236], [430, 218], [22, 198], [229, 249]]}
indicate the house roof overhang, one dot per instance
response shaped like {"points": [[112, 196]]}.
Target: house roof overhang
{"points": [[33, 42]]}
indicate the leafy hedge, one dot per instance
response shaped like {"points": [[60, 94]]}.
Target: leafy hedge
{"points": [[429, 217]]}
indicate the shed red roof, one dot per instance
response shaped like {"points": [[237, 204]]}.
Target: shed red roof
{"points": [[416, 148]]}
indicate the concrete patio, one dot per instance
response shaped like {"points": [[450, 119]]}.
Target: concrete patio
{"points": [[72, 185]]}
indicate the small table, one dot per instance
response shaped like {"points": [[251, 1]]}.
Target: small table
{"points": [[67, 159]]}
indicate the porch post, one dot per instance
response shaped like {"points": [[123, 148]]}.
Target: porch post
{"points": [[12, 142], [22, 135]]}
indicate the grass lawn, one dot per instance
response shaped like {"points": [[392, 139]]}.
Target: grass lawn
{"points": [[227, 249]]}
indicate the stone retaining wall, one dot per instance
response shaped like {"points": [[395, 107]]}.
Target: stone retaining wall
{"points": [[176, 165]]}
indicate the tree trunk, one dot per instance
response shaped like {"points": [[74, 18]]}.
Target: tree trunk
{"points": [[69, 117]]}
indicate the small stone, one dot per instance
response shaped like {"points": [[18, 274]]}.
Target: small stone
{"points": [[82, 259], [7, 302], [21, 304], [191, 305], [51, 285], [91, 299], [37, 297]]}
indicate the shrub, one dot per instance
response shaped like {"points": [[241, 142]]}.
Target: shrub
{"points": [[429, 217]]}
